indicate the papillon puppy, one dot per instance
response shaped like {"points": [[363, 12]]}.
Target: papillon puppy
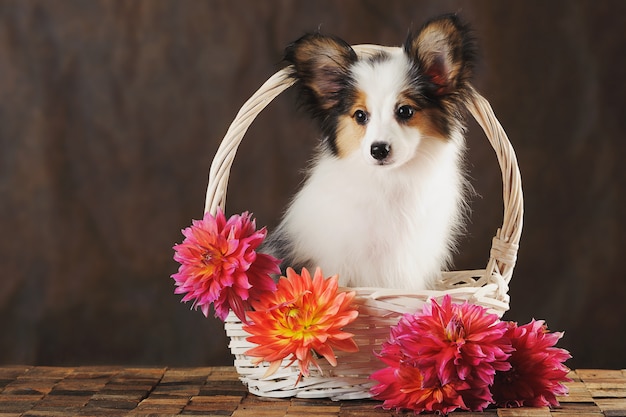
{"points": [[385, 197]]}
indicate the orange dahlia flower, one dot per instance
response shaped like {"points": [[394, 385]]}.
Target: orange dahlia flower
{"points": [[302, 317]]}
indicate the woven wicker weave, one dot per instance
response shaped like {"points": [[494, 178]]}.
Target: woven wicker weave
{"points": [[379, 308]]}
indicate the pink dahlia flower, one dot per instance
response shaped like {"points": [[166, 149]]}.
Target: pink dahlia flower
{"points": [[219, 264], [401, 387], [537, 371], [461, 341], [457, 349]]}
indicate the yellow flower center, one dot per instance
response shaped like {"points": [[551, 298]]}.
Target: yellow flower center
{"points": [[298, 323]]}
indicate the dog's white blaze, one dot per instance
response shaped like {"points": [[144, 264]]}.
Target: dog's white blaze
{"points": [[381, 226], [382, 83]]}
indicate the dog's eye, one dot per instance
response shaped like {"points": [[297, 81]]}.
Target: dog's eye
{"points": [[360, 116], [405, 112]]}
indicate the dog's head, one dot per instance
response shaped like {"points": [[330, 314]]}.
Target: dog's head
{"points": [[384, 107]]}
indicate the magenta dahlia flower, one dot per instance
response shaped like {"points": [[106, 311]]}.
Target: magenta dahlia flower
{"points": [[219, 264], [457, 349], [401, 387], [537, 371], [455, 341]]}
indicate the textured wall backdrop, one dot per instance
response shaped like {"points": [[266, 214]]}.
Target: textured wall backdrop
{"points": [[110, 112]]}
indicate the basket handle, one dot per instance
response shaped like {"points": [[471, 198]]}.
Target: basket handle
{"points": [[225, 155], [505, 244]]}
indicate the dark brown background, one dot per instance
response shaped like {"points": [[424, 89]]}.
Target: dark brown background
{"points": [[110, 113]]}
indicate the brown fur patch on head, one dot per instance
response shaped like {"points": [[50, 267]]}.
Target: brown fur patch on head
{"points": [[349, 135], [349, 132], [426, 121], [430, 121]]}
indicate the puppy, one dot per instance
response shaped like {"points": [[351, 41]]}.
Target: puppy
{"points": [[385, 197]]}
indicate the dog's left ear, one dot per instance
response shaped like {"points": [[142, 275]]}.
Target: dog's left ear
{"points": [[444, 51], [321, 65]]}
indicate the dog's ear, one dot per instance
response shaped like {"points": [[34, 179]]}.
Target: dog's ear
{"points": [[444, 52], [321, 64]]}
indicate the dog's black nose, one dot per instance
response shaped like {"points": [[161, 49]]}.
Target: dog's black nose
{"points": [[380, 150]]}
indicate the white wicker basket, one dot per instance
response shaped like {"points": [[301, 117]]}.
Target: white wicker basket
{"points": [[379, 308]]}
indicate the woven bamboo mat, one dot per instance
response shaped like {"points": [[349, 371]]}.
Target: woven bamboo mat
{"points": [[159, 392]]}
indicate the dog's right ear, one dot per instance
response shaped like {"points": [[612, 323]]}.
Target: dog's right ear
{"points": [[444, 51], [321, 64]]}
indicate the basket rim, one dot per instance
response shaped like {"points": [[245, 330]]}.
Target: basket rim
{"points": [[505, 243]]}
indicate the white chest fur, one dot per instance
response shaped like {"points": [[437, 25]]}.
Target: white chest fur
{"points": [[378, 226]]}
